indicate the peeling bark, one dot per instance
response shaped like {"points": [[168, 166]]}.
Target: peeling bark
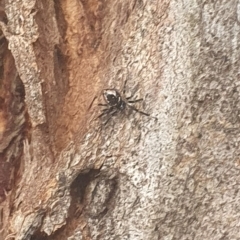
{"points": [[64, 174]]}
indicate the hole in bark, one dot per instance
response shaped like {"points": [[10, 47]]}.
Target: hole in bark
{"points": [[40, 236], [78, 189]]}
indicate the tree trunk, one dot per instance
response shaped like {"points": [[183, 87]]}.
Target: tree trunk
{"points": [[66, 173]]}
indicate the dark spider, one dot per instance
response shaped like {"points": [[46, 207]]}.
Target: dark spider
{"points": [[117, 103]]}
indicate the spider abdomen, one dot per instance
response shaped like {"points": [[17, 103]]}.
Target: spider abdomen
{"points": [[113, 99]]}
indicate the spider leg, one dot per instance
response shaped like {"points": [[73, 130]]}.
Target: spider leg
{"points": [[102, 114], [105, 111], [137, 110], [137, 100], [112, 114], [102, 104], [124, 87], [92, 102], [129, 97]]}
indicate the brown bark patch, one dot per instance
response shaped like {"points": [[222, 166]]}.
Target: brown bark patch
{"points": [[12, 120]]}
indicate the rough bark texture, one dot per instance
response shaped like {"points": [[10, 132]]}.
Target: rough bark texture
{"points": [[66, 175]]}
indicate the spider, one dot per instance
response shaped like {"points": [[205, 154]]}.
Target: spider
{"points": [[116, 103]]}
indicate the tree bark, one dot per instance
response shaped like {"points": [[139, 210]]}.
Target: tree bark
{"points": [[66, 173]]}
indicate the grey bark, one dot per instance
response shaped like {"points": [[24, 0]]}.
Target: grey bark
{"points": [[173, 175]]}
